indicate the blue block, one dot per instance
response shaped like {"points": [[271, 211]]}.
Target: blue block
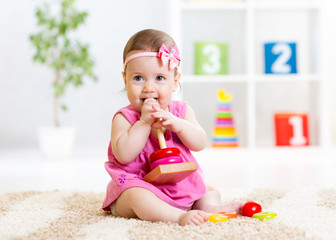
{"points": [[280, 58]]}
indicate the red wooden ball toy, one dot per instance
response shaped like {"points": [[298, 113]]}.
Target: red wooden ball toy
{"points": [[250, 208]]}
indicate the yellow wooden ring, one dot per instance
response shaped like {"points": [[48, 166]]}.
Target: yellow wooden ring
{"points": [[214, 217]]}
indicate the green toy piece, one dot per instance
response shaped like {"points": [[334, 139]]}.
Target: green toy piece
{"points": [[265, 215]]}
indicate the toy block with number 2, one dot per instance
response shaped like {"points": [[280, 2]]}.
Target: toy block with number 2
{"points": [[280, 58]]}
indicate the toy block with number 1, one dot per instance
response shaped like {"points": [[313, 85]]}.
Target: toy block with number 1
{"points": [[291, 129]]}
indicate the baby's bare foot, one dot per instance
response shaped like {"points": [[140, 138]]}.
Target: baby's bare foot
{"points": [[232, 207], [193, 217], [229, 207]]}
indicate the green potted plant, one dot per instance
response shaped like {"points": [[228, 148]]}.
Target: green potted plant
{"points": [[56, 47]]}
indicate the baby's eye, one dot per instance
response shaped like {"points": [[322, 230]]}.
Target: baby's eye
{"points": [[160, 78], [138, 78]]}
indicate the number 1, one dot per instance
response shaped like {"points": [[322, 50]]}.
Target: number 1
{"points": [[298, 138]]}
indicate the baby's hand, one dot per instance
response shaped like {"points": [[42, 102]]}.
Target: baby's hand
{"points": [[167, 120], [147, 109]]}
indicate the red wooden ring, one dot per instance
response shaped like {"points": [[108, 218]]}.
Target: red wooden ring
{"points": [[165, 152], [166, 160]]}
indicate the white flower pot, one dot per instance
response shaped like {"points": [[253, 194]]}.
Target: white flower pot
{"points": [[56, 141]]}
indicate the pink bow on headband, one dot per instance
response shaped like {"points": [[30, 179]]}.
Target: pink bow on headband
{"points": [[173, 56]]}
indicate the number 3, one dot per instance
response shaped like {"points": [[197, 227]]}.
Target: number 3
{"points": [[213, 53]]}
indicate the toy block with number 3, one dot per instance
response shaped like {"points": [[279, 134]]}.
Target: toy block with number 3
{"points": [[211, 58]]}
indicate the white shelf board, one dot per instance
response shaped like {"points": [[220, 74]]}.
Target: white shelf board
{"points": [[288, 78], [213, 78], [244, 78]]}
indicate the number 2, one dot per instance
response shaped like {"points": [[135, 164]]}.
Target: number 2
{"points": [[280, 64]]}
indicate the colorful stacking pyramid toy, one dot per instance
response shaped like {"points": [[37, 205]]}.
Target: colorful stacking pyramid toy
{"points": [[224, 132]]}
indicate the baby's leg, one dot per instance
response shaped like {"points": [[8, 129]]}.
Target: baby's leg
{"points": [[211, 202], [141, 203]]}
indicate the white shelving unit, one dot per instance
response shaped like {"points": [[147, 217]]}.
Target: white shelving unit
{"points": [[245, 26]]}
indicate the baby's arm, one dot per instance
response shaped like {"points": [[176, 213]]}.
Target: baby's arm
{"points": [[127, 141], [188, 129]]}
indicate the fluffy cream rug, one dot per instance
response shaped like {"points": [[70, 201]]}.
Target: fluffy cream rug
{"points": [[302, 214]]}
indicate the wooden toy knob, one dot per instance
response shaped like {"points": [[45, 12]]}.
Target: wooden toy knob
{"points": [[165, 152]]}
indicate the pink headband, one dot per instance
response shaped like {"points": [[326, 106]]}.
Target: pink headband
{"points": [[172, 57]]}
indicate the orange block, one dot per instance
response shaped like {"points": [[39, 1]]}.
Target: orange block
{"points": [[291, 129]]}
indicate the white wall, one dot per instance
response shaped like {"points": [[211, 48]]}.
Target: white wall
{"points": [[330, 31], [25, 88]]}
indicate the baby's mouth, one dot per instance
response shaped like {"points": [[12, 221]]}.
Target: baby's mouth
{"points": [[143, 99]]}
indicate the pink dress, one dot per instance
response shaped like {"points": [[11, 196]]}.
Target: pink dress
{"points": [[181, 195]]}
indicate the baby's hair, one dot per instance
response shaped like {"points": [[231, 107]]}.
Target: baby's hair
{"points": [[149, 40]]}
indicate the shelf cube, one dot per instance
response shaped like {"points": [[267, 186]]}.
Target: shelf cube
{"points": [[291, 129], [280, 58], [211, 58]]}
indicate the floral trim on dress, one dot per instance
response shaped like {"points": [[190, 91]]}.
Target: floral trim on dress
{"points": [[123, 178]]}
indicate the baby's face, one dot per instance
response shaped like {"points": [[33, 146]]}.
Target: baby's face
{"points": [[147, 77]]}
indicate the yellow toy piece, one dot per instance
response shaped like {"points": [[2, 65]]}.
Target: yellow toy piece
{"points": [[264, 215], [222, 96], [215, 217], [224, 132]]}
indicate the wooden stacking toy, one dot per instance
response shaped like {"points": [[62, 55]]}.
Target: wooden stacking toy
{"points": [[224, 133], [167, 165]]}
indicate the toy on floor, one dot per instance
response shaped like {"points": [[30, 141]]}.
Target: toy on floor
{"points": [[250, 208], [221, 216], [265, 215], [216, 217], [167, 165], [254, 210], [229, 214]]}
